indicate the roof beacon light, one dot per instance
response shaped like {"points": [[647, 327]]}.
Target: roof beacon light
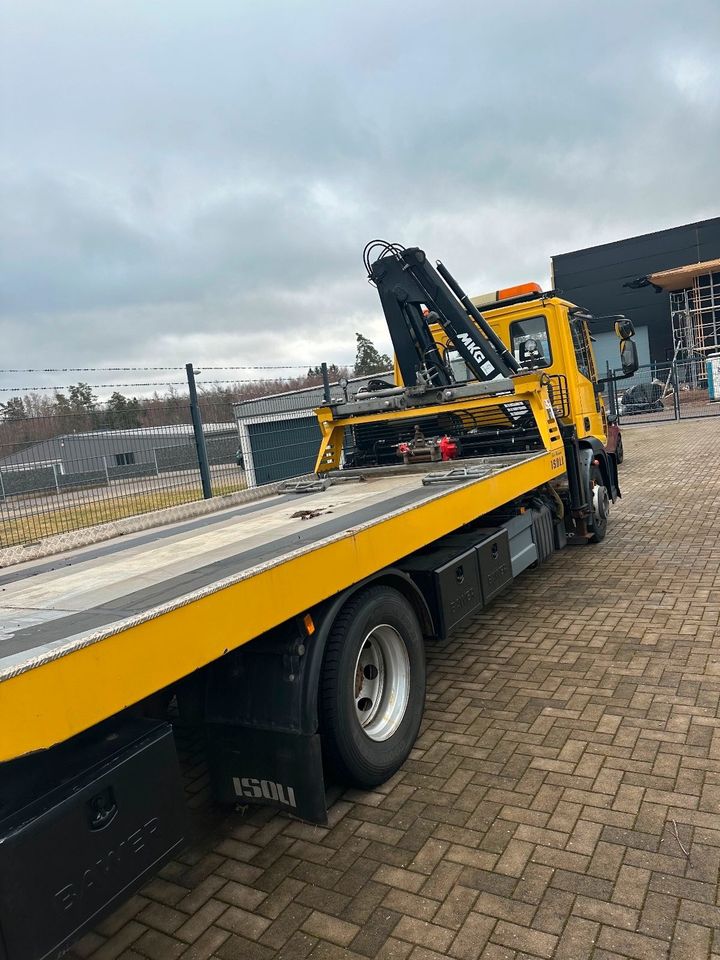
{"points": [[507, 293]]}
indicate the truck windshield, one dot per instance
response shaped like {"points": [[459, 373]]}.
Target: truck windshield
{"points": [[530, 342]]}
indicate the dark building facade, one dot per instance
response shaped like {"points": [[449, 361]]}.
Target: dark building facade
{"points": [[595, 277]]}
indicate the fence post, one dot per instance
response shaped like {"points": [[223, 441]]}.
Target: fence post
{"points": [[326, 383], [57, 483], [157, 468], [199, 434], [2, 488], [676, 391], [107, 475]]}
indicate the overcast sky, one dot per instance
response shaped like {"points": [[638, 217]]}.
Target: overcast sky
{"points": [[196, 179]]}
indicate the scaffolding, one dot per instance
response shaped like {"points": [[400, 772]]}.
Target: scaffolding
{"points": [[695, 316]]}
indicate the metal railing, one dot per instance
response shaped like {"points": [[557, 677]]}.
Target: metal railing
{"points": [[63, 472], [662, 391], [64, 468]]}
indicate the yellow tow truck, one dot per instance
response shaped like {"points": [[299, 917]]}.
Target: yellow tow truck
{"points": [[291, 628]]}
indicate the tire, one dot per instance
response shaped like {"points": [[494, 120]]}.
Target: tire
{"points": [[375, 649], [619, 453], [601, 506]]}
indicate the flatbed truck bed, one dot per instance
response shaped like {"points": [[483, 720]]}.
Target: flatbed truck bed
{"points": [[89, 632]]}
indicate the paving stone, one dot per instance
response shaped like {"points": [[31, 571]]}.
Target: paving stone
{"points": [[124, 937], [690, 940], [158, 946], [365, 902], [326, 927], [88, 944], [201, 919], [631, 886], [399, 878], [555, 908], [441, 880], [424, 933], [515, 937], [161, 917], [633, 945], [410, 904], [514, 858], [375, 932], [458, 903], [285, 926], [206, 945], [243, 922], [237, 947]]}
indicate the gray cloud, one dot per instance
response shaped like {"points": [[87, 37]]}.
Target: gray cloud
{"points": [[197, 181]]}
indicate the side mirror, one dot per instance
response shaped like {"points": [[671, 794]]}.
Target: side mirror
{"points": [[624, 328], [628, 357]]}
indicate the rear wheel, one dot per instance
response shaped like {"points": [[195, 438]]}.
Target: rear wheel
{"points": [[600, 506], [619, 454], [373, 687]]}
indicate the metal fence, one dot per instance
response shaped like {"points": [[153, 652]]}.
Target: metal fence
{"points": [[661, 391], [73, 468], [59, 473]]}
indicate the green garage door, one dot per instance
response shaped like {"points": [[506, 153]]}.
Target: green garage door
{"points": [[284, 448]]}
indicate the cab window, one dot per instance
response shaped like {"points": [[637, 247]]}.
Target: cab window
{"points": [[530, 342], [582, 347]]}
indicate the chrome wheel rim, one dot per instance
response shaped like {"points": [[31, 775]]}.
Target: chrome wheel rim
{"points": [[382, 682], [601, 502]]}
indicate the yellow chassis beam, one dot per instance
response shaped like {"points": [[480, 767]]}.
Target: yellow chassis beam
{"points": [[530, 388], [46, 705]]}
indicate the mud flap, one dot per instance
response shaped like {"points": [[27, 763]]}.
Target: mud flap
{"points": [[276, 769]]}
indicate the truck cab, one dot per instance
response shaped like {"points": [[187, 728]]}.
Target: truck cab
{"points": [[547, 333]]}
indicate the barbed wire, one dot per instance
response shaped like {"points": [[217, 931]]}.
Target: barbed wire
{"points": [[155, 383], [86, 369], [271, 366], [276, 366], [95, 386]]}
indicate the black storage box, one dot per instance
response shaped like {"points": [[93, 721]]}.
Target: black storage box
{"points": [[494, 560], [449, 578], [492, 547], [82, 825]]}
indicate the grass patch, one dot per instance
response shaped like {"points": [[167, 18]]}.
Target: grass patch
{"points": [[45, 518]]}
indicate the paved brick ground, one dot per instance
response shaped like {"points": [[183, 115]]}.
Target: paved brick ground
{"points": [[562, 800]]}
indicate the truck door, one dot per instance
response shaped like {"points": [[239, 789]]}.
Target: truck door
{"points": [[588, 408]]}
